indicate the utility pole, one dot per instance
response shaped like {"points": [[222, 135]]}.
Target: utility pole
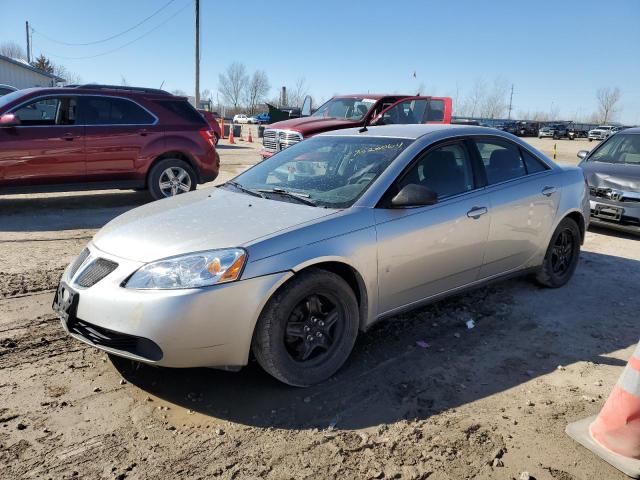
{"points": [[197, 96], [28, 44], [511, 101]]}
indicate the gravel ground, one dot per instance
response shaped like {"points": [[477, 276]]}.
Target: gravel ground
{"points": [[488, 402]]}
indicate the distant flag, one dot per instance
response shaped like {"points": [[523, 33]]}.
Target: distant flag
{"points": [[414, 74]]}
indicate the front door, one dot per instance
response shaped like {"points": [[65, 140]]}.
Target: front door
{"points": [[117, 130], [425, 251], [47, 147]]}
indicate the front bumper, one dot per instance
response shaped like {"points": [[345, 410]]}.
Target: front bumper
{"points": [[205, 327], [629, 220]]}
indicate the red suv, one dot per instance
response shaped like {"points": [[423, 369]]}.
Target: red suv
{"points": [[99, 136]]}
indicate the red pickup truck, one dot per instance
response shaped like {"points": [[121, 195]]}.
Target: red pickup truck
{"points": [[346, 111]]}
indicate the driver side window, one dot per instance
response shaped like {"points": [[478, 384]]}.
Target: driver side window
{"points": [[446, 170], [48, 111]]}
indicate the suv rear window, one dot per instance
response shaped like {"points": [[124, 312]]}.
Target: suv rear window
{"points": [[113, 111], [183, 109]]}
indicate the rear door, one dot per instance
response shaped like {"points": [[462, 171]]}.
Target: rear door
{"points": [[524, 195], [117, 129], [426, 251], [48, 145], [415, 110]]}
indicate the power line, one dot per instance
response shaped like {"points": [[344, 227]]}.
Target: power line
{"points": [[128, 43], [108, 38]]}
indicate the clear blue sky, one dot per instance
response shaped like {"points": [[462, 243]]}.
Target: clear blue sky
{"points": [[554, 52]]}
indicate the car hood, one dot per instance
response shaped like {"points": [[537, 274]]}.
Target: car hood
{"points": [[310, 125], [203, 220], [609, 175]]}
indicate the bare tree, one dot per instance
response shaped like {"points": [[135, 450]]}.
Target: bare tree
{"points": [[472, 104], [233, 83], [298, 93], [495, 103], [607, 103], [70, 78], [257, 90], [13, 50], [123, 81]]}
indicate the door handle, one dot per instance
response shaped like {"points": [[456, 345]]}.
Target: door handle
{"points": [[68, 137], [548, 191], [143, 132], [476, 212]]}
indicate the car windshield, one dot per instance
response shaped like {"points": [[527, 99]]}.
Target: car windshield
{"points": [[326, 171], [345, 108], [10, 97], [619, 148]]}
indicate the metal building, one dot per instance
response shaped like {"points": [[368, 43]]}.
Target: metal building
{"points": [[19, 74]]}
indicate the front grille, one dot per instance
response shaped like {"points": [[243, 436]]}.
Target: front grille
{"points": [[103, 337], [615, 195], [269, 140], [275, 140], [96, 271], [75, 265]]}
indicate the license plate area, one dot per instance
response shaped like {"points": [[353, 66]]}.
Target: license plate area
{"points": [[65, 302], [608, 212]]}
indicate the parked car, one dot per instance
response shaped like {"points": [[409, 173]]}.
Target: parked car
{"points": [[612, 171], [212, 121], [4, 89], [260, 118], [364, 224], [99, 136], [241, 118], [348, 111], [601, 132], [554, 130]]}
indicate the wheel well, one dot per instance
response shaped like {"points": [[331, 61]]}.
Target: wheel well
{"points": [[353, 279], [579, 219], [173, 154]]}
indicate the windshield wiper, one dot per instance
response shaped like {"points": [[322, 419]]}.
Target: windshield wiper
{"points": [[255, 193], [300, 197]]}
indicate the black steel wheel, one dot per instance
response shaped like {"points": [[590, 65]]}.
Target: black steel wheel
{"points": [[561, 258], [307, 329]]}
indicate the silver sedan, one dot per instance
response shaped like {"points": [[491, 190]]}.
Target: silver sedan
{"points": [[295, 257]]}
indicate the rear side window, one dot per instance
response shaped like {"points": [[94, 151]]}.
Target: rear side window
{"points": [[182, 109], [505, 161], [532, 163], [502, 161], [435, 112], [113, 111]]}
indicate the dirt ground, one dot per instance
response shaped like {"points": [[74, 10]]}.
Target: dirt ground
{"points": [[485, 403]]}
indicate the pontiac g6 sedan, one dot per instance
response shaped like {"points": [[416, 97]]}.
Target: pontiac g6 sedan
{"points": [[294, 257]]}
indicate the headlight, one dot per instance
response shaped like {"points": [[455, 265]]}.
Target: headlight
{"points": [[200, 269]]}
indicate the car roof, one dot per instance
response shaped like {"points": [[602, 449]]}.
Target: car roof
{"points": [[631, 130], [373, 96], [411, 131], [102, 90]]}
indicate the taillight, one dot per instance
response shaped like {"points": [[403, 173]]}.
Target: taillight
{"points": [[208, 136]]}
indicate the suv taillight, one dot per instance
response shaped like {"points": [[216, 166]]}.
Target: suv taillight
{"points": [[208, 136]]}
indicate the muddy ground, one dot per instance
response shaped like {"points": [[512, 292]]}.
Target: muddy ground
{"points": [[488, 402]]}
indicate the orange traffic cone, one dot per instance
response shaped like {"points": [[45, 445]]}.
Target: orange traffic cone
{"points": [[231, 139], [250, 138], [614, 434]]}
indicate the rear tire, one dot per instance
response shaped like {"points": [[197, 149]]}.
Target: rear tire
{"points": [[170, 177], [561, 258], [307, 329]]}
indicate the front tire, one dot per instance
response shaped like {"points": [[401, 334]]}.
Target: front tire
{"points": [[562, 255], [170, 177], [307, 329]]}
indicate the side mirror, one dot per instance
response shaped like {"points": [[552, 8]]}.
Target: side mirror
{"points": [[413, 195], [9, 120], [306, 107], [582, 154]]}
